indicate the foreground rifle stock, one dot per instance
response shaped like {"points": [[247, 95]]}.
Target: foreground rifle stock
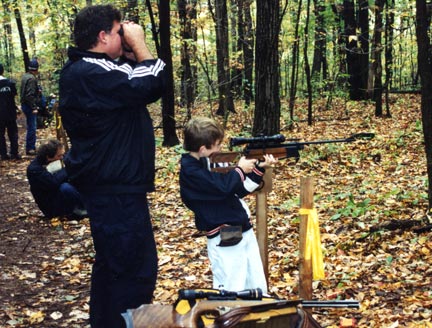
{"points": [[257, 147], [229, 309]]}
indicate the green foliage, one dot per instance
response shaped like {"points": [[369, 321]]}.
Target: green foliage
{"points": [[352, 209], [288, 204], [52, 22]]}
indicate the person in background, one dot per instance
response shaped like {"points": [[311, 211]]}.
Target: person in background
{"points": [[49, 185], [216, 200], [30, 100], [8, 116], [103, 104]]}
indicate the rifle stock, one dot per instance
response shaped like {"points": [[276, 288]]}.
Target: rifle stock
{"points": [[166, 316]]}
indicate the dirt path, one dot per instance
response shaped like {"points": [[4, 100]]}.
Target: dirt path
{"points": [[45, 264]]}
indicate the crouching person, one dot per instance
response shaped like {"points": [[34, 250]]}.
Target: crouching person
{"points": [[49, 183]]}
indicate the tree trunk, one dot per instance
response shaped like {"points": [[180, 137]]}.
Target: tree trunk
{"points": [[131, 11], [340, 79], [319, 65], [376, 55], [168, 112], [188, 34], [236, 46], [7, 36], [356, 56], [59, 55], [248, 51], [307, 66], [153, 26], [363, 57], [207, 68], [220, 17], [425, 69], [294, 65], [267, 102], [31, 31], [390, 18], [23, 40]]}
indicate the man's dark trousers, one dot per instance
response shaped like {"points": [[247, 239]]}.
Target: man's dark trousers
{"points": [[12, 132], [125, 268]]}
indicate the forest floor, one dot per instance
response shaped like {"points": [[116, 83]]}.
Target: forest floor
{"points": [[371, 198]]}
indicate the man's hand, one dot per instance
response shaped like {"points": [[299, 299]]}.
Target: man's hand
{"points": [[134, 38]]}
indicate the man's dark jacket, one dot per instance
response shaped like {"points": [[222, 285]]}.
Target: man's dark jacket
{"points": [[103, 109], [30, 92], [8, 110]]}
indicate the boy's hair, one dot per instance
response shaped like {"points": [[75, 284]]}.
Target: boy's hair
{"points": [[201, 131], [48, 149], [90, 21]]}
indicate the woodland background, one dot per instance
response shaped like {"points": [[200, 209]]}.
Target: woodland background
{"points": [[308, 69]]}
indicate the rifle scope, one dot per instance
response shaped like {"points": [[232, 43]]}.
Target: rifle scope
{"points": [[247, 294], [260, 140]]}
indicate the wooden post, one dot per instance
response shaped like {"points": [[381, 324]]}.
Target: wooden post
{"points": [[60, 131], [305, 269], [261, 219]]}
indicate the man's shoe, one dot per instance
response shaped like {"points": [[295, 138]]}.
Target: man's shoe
{"points": [[31, 152], [5, 157], [16, 156], [80, 211]]}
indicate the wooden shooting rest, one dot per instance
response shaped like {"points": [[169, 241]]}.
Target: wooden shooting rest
{"points": [[306, 201], [261, 218]]}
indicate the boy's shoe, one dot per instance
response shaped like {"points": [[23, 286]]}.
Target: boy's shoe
{"points": [[5, 157], [16, 156], [31, 152]]}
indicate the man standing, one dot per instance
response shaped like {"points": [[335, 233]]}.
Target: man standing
{"points": [[112, 156], [49, 184], [8, 116], [30, 99]]}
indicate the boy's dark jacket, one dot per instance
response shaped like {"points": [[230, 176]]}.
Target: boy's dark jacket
{"points": [[111, 131], [215, 197]]}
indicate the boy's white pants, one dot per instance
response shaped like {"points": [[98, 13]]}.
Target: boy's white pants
{"points": [[238, 267]]}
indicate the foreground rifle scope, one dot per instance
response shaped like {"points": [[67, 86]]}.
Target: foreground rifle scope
{"points": [[247, 294], [261, 140]]}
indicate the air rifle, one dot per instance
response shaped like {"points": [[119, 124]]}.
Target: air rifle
{"points": [[221, 307], [257, 147], [256, 294]]}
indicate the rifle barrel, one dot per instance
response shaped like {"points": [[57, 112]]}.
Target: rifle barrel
{"points": [[332, 304], [294, 143], [317, 142]]}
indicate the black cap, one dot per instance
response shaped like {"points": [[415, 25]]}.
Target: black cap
{"points": [[33, 65]]}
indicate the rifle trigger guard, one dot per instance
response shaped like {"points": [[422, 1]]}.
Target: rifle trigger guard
{"points": [[223, 309]]}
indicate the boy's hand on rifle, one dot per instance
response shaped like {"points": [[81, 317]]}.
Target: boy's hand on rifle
{"points": [[269, 160], [247, 165]]}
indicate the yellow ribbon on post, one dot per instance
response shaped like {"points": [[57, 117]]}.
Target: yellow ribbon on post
{"points": [[313, 250]]}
